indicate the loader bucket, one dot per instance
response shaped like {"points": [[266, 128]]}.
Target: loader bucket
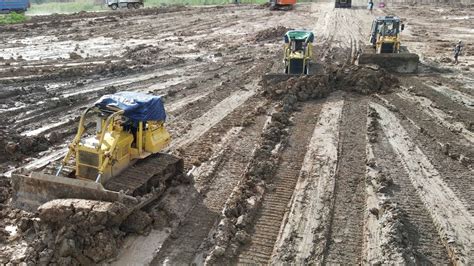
{"points": [[400, 63], [33, 189]]}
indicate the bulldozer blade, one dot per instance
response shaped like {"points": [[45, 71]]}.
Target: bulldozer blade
{"points": [[277, 77], [400, 62], [33, 189]]}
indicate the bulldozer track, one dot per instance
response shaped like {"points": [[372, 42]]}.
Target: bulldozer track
{"points": [[216, 188], [427, 246], [147, 174], [452, 171], [200, 148], [346, 226], [274, 206]]}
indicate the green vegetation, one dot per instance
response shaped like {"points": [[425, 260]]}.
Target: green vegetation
{"points": [[199, 2], [39, 7], [12, 18], [64, 7]]}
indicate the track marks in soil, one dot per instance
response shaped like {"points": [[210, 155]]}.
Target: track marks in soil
{"points": [[346, 231], [446, 151], [268, 222], [304, 232], [213, 116], [231, 161], [412, 239], [441, 117], [453, 220], [456, 96]]}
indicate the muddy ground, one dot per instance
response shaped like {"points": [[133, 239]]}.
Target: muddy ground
{"points": [[355, 166]]}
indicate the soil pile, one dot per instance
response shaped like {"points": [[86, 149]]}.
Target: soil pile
{"points": [[71, 231], [363, 79], [271, 34], [5, 189], [14, 147], [359, 79], [76, 232]]}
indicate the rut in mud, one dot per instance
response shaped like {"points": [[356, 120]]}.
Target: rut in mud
{"points": [[354, 165]]}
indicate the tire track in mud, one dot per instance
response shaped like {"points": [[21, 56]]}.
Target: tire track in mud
{"points": [[302, 234], [456, 96], [268, 222], [439, 116], [451, 101], [446, 150], [450, 215], [216, 186], [346, 229], [212, 150], [420, 243]]}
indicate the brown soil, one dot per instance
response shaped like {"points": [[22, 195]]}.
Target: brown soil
{"points": [[352, 165]]}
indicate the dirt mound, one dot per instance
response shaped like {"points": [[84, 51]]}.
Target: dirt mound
{"points": [[5, 189], [359, 79], [14, 147], [70, 231], [271, 34]]}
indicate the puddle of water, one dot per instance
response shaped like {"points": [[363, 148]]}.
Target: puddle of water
{"points": [[11, 229], [124, 81], [42, 129], [457, 18], [48, 47]]}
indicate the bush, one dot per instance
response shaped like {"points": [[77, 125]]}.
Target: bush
{"points": [[12, 18]]}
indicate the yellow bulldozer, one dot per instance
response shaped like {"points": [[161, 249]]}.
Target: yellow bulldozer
{"points": [[298, 51], [119, 161], [385, 47], [297, 56]]}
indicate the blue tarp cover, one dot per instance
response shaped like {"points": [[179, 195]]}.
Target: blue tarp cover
{"points": [[137, 106]]}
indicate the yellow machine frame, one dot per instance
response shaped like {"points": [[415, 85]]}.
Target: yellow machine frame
{"points": [[381, 39], [291, 54], [113, 148]]}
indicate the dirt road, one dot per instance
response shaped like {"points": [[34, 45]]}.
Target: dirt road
{"points": [[378, 177]]}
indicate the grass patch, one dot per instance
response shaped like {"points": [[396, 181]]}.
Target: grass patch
{"points": [[199, 2], [66, 7], [89, 5], [12, 18]]}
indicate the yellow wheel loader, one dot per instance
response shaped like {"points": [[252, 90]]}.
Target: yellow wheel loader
{"points": [[385, 47], [119, 161]]}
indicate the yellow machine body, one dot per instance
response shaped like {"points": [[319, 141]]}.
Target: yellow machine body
{"points": [[387, 44], [121, 159], [385, 48], [298, 52], [114, 148]]}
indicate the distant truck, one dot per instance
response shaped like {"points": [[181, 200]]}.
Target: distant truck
{"points": [[130, 4], [18, 6], [343, 3]]}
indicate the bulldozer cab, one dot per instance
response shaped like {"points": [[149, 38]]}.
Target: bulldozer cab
{"points": [[298, 51], [385, 49], [129, 126], [385, 34]]}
